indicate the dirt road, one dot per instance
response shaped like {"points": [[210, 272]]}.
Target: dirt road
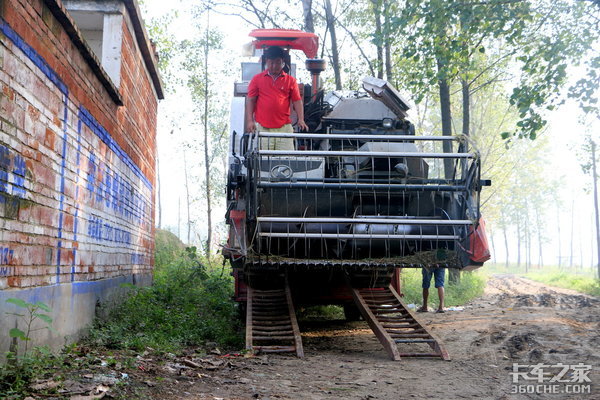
{"points": [[516, 321]]}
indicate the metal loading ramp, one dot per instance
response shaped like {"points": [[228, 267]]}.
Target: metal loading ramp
{"points": [[271, 325], [393, 323]]}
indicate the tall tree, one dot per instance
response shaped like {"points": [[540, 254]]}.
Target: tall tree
{"points": [[378, 38], [199, 68], [259, 13], [442, 39], [589, 166], [188, 199], [572, 240], [309, 25], [335, 58], [165, 46], [595, 186], [206, 111]]}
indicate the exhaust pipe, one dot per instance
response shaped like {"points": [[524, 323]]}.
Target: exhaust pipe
{"points": [[315, 66]]}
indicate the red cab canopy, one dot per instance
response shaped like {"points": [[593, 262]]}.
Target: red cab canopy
{"points": [[290, 38]]}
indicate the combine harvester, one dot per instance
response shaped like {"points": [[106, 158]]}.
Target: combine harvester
{"points": [[334, 221]]}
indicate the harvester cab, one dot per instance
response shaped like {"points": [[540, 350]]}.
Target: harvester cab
{"points": [[358, 198]]}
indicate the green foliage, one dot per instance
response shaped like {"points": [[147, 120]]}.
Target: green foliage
{"points": [[529, 43], [471, 286], [29, 319], [321, 312], [586, 90], [17, 374], [188, 304], [169, 249], [21, 369]]}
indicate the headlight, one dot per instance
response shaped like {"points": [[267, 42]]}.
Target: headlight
{"points": [[387, 123]]}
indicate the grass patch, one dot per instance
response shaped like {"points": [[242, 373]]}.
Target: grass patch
{"points": [[19, 371], [566, 280], [18, 380], [471, 285], [188, 304], [331, 311], [582, 280]]}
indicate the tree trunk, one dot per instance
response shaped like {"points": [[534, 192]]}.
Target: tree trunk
{"points": [[580, 253], [466, 107], [387, 42], [308, 17], [518, 244], [206, 142], [539, 235], [491, 235], [592, 245], [187, 197], [505, 244], [334, 50], [559, 242], [378, 36], [527, 239], [445, 108], [595, 178], [571, 252], [528, 249], [466, 113], [454, 275]]}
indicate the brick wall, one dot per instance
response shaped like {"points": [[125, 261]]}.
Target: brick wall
{"points": [[77, 170]]}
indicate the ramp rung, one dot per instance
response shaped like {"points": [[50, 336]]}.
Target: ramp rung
{"points": [[393, 319], [379, 301], [385, 311], [400, 326], [273, 328], [257, 332], [273, 318], [265, 323], [270, 320], [409, 334], [272, 337], [378, 306], [436, 355], [275, 349]]}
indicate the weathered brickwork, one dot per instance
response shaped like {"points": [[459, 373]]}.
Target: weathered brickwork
{"points": [[76, 169]]}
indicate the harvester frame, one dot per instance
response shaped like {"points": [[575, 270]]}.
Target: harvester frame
{"points": [[334, 221]]}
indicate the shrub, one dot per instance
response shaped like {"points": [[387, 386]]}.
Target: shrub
{"points": [[188, 304], [22, 364]]}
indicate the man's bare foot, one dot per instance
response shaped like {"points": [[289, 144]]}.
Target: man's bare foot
{"points": [[421, 309], [440, 311]]}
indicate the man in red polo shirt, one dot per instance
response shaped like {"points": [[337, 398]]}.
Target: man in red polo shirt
{"points": [[269, 96]]}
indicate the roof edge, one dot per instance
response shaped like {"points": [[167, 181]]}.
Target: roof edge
{"points": [[145, 46], [61, 14]]}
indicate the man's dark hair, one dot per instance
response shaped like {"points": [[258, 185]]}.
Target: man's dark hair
{"points": [[274, 52]]}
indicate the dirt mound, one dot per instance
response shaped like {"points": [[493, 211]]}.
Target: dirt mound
{"points": [[517, 344]]}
